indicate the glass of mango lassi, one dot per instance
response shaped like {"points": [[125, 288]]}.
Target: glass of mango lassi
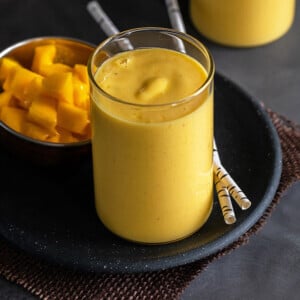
{"points": [[242, 23], [152, 134]]}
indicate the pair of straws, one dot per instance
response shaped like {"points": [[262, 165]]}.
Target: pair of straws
{"points": [[226, 187]]}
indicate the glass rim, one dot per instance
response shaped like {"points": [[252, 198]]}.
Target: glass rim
{"points": [[190, 38]]}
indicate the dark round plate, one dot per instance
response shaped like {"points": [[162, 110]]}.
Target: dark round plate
{"points": [[50, 214]]}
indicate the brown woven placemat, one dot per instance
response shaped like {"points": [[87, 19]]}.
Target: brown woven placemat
{"points": [[49, 282]]}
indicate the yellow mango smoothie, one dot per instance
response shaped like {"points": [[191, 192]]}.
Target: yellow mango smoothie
{"points": [[152, 145], [242, 23]]}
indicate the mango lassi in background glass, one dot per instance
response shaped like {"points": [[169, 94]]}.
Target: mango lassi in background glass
{"points": [[152, 134], [242, 23]]}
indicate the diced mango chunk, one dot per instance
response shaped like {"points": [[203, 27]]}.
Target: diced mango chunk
{"points": [[7, 66], [43, 56], [13, 117], [43, 112], [59, 86], [5, 99], [43, 61], [18, 81], [35, 131], [81, 72], [62, 136], [53, 139], [72, 118], [55, 68], [33, 91], [81, 94]]}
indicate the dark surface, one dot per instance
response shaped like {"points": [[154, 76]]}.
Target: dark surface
{"points": [[269, 266], [61, 225]]}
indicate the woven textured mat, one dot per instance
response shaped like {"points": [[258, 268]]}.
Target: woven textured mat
{"points": [[49, 282]]}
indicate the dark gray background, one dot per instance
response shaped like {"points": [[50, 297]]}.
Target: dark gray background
{"points": [[269, 266]]}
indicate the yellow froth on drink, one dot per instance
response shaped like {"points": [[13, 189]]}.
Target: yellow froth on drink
{"points": [[152, 145], [153, 76]]}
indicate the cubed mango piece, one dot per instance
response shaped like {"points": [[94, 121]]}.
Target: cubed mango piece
{"points": [[63, 136], [43, 112], [43, 61], [18, 81], [81, 94], [53, 139], [32, 92], [35, 131], [5, 99], [7, 66], [81, 72], [13, 117], [43, 56], [72, 118], [59, 86], [48, 70], [84, 135]]}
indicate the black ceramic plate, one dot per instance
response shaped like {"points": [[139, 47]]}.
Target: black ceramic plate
{"points": [[50, 214]]}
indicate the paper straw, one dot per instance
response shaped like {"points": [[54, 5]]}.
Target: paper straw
{"points": [[101, 18], [175, 15], [176, 21], [225, 202], [228, 181], [234, 190], [108, 27]]}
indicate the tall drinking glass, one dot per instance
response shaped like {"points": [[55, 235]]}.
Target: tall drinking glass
{"points": [[152, 134]]}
